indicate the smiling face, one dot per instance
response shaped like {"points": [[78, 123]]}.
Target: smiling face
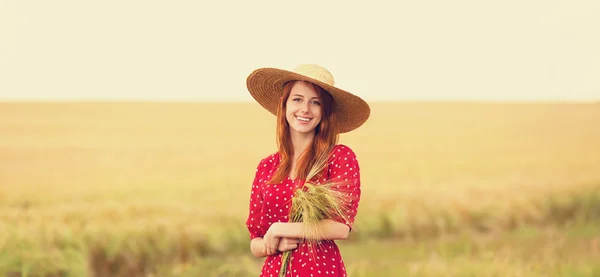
{"points": [[303, 108]]}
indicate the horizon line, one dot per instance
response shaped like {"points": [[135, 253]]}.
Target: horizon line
{"points": [[223, 101]]}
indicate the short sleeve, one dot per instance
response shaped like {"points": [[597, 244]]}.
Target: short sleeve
{"points": [[345, 171], [253, 222]]}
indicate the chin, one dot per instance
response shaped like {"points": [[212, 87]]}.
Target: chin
{"points": [[304, 130]]}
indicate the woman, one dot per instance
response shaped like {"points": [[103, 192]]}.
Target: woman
{"points": [[311, 112]]}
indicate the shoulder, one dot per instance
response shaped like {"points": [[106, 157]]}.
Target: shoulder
{"points": [[265, 169], [343, 154], [344, 163], [268, 162], [342, 151]]}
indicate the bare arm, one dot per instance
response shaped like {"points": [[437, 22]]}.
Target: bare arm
{"points": [[328, 230], [257, 247]]}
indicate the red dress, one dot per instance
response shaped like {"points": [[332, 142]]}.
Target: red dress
{"points": [[271, 203]]}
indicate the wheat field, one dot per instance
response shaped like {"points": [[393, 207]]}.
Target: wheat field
{"points": [[162, 188]]}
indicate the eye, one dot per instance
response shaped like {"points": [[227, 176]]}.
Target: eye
{"points": [[297, 99], [316, 102]]}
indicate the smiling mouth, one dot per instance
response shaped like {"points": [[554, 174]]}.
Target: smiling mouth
{"points": [[303, 119]]}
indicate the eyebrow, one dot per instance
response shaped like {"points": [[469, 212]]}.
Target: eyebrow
{"points": [[303, 96]]}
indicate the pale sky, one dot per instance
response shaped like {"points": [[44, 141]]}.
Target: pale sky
{"points": [[380, 50]]}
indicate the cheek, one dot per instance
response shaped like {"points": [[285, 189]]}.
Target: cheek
{"points": [[318, 114], [289, 117], [289, 109]]}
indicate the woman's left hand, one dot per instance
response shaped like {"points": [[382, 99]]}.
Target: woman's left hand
{"points": [[271, 240]]}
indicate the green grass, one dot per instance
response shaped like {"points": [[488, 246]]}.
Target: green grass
{"points": [[526, 251], [143, 249]]}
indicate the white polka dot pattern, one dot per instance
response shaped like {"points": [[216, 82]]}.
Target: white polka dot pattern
{"points": [[271, 203]]}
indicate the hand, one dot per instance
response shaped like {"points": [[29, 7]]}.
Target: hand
{"points": [[271, 241], [286, 244]]}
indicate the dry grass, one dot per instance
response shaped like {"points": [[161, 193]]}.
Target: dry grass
{"points": [[119, 188]]}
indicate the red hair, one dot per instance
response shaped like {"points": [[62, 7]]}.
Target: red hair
{"points": [[326, 136]]}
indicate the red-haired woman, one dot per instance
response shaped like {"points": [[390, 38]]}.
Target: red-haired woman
{"points": [[311, 113]]}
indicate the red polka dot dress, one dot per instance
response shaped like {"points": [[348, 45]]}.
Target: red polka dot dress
{"points": [[271, 203]]}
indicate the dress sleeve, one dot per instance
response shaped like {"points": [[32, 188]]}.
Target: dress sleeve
{"points": [[345, 171], [253, 222]]}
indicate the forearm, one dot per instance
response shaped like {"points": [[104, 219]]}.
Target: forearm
{"points": [[256, 246], [327, 229]]}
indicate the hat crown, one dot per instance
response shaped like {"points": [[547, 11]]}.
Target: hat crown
{"points": [[316, 72]]}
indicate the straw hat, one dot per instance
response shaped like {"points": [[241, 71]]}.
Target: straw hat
{"points": [[266, 86]]}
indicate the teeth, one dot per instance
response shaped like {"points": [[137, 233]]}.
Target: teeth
{"points": [[303, 119]]}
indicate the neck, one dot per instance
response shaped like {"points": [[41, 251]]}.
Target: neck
{"points": [[301, 142]]}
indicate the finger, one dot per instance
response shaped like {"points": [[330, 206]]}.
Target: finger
{"points": [[265, 248], [281, 245], [268, 247], [268, 241], [291, 246], [291, 240], [273, 245], [288, 246]]}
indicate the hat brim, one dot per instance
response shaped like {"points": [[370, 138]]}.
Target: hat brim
{"points": [[266, 87]]}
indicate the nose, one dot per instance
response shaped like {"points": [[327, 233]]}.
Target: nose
{"points": [[305, 107]]}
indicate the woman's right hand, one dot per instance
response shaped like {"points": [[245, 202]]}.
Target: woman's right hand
{"points": [[286, 244]]}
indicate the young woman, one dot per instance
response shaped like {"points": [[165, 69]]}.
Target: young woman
{"points": [[311, 113]]}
